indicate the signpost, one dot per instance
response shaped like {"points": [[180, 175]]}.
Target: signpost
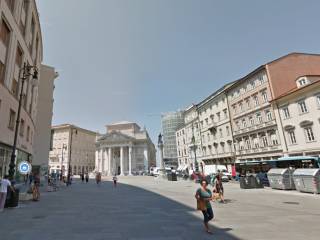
{"points": [[24, 167]]}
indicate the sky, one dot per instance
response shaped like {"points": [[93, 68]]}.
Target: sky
{"points": [[135, 59]]}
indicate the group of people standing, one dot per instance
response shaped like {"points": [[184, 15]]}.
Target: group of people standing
{"points": [[84, 177], [204, 196]]}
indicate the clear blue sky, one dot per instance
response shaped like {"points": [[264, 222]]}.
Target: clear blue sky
{"points": [[132, 60]]}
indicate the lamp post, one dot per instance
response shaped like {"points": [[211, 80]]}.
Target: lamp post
{"points": [[194, 148], [27, 71], [72, 130]]}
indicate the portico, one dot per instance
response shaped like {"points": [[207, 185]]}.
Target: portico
{"points": [[123, 152]]}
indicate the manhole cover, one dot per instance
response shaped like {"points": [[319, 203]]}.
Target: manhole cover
{"points": [[292, 203]]}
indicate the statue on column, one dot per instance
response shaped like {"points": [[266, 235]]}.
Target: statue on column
{"points": [[160, 139]]}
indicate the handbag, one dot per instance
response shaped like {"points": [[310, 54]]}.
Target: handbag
{"points": [[201, 205]]}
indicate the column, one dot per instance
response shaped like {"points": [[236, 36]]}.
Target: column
{"points": [[105, 161], [110, 161], [130, 160], [97, 161], [100, 160], [121, 161], [146, 159]]}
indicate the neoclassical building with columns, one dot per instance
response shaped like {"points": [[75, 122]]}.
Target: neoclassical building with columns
{"points": [[124, 150]]}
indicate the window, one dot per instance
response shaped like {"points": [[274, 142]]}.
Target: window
{"points": [[219, 117], [14, 88], [225, 113], [241, 106], [237, 125], [19, 56], [244, 123], [318, 100], [302, 82], [248, 103], [228, 130], [274, 139], [5, 33], [207, 121], [292, 137], [2, 72], [248, 144], [32, 33], [255, 100], [234, 108], [265, 97], [208, 137], [309, 134], [251, 120], [264, 141], [220, 131], [269, 115], [21, 131], [286, 113], [12, 118], [303, 107], [212, 118], [259, 118], [28, 134]]}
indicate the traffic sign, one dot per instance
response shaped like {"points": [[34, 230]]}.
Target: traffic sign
{"points": [[24, 167]]}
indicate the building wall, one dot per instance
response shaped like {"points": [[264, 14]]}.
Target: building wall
{"points": [[44, 118], [295, 122], [170, 122], [26, 37], [216, 132], [82, 149], [254, 126]]}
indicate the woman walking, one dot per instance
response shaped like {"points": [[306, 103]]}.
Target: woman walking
{"points": [[218, 188], [204, 196], [87, 177]]}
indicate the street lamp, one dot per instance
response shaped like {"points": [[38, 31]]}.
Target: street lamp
{"points": [[194, 148], [73, 130], [27, 71]]}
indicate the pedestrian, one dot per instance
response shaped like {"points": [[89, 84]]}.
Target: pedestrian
{"points": [[30, 178], [218, 188], [87, 177], [82, 177], [204, 196], [115, 179], [98, 178], [35, 188], [5, 183]]}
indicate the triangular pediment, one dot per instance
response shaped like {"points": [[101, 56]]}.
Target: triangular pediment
{"points": [[115, 137]]}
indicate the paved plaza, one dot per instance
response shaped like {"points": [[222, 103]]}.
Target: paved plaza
{"points": [[145, 208]]}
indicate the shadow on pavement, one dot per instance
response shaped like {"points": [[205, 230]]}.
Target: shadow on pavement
{"points": [[91, 212]]}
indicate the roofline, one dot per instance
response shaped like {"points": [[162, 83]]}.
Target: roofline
{"points": [[68, 125], [296, 90]]}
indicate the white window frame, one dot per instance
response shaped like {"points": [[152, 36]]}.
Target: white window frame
{"points": [[292, 137], [308, 131], [302, 107], [286, 112]]}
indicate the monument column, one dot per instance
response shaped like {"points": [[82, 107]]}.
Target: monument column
{"points": [[130, 160], [100, 161], [146, 159], [121, 161]]}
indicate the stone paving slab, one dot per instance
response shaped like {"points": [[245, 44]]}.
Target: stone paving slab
{"points": [[144, 208]]}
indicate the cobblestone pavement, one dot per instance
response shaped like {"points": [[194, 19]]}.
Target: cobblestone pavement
{"points": [[146, 208]]}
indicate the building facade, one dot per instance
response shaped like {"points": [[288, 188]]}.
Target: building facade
{"points": [[189, 142], [71, 146], [298, 113], [271, 112], [171, 122], [20, 42], [216, 131], [125, 149], [43, 122]]}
